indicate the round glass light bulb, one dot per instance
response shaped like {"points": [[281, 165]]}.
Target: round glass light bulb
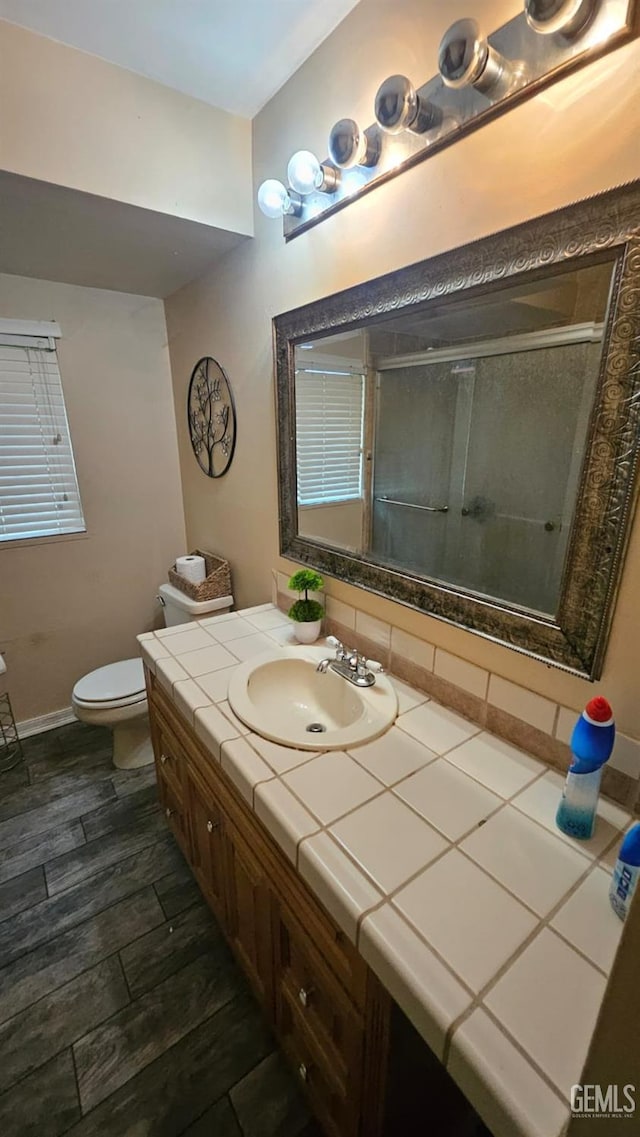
{"points": [[348, 144], [462, 54], [396, 104], [304, 172], [565, 16], [273, 198]]}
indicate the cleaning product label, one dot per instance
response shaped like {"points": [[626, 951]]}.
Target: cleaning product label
{"points": [[623, 886], [577, 810]]}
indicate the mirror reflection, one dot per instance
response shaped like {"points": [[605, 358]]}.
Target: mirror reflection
{"points": [[448, 442]]}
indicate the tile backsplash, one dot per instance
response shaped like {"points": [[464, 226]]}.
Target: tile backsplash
{"points": [[522, 717]]}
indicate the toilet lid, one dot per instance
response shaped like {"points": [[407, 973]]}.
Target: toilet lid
{"points": [[111, 683]]}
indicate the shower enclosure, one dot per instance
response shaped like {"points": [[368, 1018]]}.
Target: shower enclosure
{"points": [[478, 453]]}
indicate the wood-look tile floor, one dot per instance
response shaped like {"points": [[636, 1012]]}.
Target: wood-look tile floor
{"points": [[122, 1012]]}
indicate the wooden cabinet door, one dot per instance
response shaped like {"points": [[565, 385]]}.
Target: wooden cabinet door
{"points": [[248, 914], [318, 1027], [207, 843]]}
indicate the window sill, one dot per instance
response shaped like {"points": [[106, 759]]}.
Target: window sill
{"points": [[51, 539], [330, 504]]}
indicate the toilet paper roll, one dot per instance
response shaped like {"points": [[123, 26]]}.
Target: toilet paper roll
{"points": [[192, 568]]}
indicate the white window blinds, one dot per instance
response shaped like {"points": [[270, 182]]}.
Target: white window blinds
{"points": [[329, 425], [39, 493]]}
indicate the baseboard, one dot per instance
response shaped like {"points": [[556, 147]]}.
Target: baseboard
{"points": [[45, 722]]}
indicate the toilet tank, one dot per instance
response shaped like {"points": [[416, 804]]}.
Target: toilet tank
{"points": [[178, 608]]}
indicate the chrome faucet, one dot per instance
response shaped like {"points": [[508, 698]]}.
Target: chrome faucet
{"points": [[351, 665]]}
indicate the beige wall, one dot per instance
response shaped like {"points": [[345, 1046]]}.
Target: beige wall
{"points": [[72, 119], [576, 139], [69, 605]]}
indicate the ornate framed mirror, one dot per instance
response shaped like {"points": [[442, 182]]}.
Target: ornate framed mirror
{"points": [[461, 436]]}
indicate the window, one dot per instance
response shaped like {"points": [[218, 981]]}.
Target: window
{"points": [[39, 494], [329, 426]]}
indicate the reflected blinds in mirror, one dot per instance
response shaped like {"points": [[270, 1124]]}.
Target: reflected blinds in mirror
{"points": [[329, 427]]}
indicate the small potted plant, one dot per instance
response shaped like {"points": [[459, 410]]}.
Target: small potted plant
{"points": [[306, 614]]}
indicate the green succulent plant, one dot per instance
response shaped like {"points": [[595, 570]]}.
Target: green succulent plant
{"points": [[304, 610]]}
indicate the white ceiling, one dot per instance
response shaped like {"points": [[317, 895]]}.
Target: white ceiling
{"points": [[234, 54]]}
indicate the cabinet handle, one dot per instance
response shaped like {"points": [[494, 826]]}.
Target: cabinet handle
{"points": [[164, 758], [304, 995], [303, 1072], [211, 825], [169, 812]]}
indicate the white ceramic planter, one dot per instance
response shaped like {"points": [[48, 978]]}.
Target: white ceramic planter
{"points": [[306, 633]]}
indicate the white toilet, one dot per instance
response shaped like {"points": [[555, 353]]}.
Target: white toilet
{"points": [[115, 695]]}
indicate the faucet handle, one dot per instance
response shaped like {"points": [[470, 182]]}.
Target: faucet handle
{"points": [[373, 665], [333, 641]]}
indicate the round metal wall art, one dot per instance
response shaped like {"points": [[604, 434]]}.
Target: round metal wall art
{"points": [[211, 414]]}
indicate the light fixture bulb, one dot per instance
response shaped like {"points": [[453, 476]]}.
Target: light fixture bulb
{"points": [[349, 146], [305, 172], [568, 17], [273, 198], [466, 59], [398, 107]]}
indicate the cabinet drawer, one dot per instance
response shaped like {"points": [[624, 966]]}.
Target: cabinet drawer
{"points": [[308, 986], [328, 941], [173, 807], [207, 844], [170, 758], [336, 1109]]}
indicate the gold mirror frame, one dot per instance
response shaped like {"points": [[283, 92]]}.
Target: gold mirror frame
{"points": [[606, 227]]}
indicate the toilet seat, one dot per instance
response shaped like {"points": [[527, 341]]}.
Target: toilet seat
{"points": [[116, 685]]}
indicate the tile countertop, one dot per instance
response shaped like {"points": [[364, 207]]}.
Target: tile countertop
{"points": [[435, 849]]}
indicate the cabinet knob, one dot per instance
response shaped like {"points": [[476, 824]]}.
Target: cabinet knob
{"points": [[169, 812], [211, 825], [303, 1072], [304, 995], [164, 758]]}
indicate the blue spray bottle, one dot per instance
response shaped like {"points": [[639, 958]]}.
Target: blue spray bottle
{"points": [[591, 743], [626, 873]]}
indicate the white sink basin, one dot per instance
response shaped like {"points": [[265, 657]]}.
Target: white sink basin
{"points": [[282, 697]]}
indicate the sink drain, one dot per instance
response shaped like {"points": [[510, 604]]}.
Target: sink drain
{"points": [[315, 728]]}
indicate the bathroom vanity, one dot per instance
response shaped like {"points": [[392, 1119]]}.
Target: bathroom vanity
{"points": [[332, 1016], [426, 946]]}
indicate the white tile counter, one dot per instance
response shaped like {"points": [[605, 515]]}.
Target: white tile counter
{"points": [[435, 850]]}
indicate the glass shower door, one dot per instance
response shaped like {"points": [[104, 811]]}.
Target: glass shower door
{"points": [[477, 462], [518, 493], [414, 446]]}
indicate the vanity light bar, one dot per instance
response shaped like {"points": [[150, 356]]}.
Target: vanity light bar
{"points": [[479, 77]]}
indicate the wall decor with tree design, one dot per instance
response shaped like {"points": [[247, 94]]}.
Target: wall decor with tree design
{"points": [[211, 414]]}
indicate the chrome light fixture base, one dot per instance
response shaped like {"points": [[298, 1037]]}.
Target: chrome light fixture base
{"points": [[480, 78]]}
